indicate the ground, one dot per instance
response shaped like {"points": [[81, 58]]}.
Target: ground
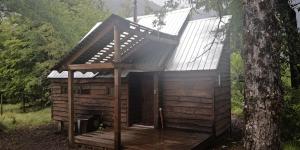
{"points": [[37, 138], [34, 130], [44, 136]]}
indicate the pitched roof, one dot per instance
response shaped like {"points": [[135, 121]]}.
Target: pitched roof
{"points": [[97, 45], [195, 50], [174, 20], [198, 48]]}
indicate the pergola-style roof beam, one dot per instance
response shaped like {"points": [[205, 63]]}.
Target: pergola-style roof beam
{"points": [[110, 66], [107, 53], [97, 66], [133, 49], [107, 30], [132, 38], [150, 33]]}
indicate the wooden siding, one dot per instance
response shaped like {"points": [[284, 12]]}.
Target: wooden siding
{"points": [[223, 94], [190, 100], [187, 99], [95, 103]]}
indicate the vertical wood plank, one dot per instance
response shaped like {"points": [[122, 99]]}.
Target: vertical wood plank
{"points": [[156, 99], [128, 102], [117, 80], [71, 107], [214, 112]]}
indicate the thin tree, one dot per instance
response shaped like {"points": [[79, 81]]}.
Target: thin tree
{"points": [[263, 93]]}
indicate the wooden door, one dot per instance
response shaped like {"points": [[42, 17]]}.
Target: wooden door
{"points": [[147, 117], [141, 99]]}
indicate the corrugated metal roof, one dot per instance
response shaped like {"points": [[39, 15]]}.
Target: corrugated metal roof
{"points": [[174, 20], [79, 75], [64, 74], [193, 51]]}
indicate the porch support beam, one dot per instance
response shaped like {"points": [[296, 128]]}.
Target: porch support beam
{"points": [[117, 80], [97, 66], [70, 108]]}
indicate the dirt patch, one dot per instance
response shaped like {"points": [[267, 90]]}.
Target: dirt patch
{"points": [[39, 138]]}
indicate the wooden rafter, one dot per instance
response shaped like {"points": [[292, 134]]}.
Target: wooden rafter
{"points": [[107, 30], [151, 34], [134, 49], [110, 50], [97, 66]]}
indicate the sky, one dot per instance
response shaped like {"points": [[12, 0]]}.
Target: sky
{"points": [[161, 2]]}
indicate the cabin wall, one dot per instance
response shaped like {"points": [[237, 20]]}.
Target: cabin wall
{"points": [[98, 101], [187, 100], [223, 95]]}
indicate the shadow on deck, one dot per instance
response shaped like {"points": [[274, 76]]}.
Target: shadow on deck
{"points": [[137, 138]]}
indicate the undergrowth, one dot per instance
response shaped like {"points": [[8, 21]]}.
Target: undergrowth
{"points": [[14, 117]]}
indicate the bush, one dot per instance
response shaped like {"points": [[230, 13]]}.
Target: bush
{"points": [[237, 85], [290, 125]]}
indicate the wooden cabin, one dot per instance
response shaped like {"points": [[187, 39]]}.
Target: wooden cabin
{"points": [[166, 89]]}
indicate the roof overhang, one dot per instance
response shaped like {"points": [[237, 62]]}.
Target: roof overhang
{"points": [[97, 48]]}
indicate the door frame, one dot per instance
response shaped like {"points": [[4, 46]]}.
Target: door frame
{"points": [[155, 78]]}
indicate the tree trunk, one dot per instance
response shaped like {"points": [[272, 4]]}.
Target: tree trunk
{"points": [[263, 93]]}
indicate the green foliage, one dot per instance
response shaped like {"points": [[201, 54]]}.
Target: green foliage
{"points": [[13, 118], [34, 35], [28, 51], [71, 18], [294, 145], [290, 123], [237, 85], [291, 115]]}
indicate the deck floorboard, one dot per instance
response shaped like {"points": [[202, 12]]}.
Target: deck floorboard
{"points": [[136, 138]]}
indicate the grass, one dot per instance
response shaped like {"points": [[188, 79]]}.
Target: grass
{"points": [[294, 145], [237, 109], [14, 118]]}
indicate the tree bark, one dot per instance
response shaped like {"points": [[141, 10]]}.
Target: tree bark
{"points": [[263, 93]]}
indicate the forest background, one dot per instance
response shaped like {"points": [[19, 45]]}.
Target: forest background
{"points": [[35, 34]]}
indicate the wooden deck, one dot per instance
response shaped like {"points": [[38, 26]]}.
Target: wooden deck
{"points": [[137, 138]]}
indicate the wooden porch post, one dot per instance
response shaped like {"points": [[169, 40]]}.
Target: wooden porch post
{"points": [[156, 99], [71, 108], [117, 80]]}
